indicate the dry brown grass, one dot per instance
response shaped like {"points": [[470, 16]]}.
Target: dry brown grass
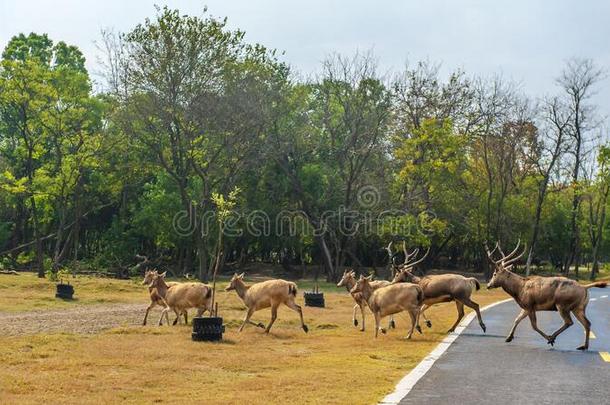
{"points": [[27, 292], [334, 363]]}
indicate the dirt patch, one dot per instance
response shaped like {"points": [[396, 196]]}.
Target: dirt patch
{"points": [[80, 319]]}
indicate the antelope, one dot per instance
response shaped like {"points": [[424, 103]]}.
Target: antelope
{"points": [[181, 296], [270, 293], [542, 294], [390, 300], [442, 288], [349, 281], [155, 298]]}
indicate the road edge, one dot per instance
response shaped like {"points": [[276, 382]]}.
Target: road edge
{"points": [[406, 384]]}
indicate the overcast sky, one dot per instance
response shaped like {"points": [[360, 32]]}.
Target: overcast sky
{"points": [[524, 40]]}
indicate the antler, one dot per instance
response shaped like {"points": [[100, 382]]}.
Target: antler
{"points": [[418, 261], [514, 259], [389, 250], [490, 254], [511, 254], [408, 256]]}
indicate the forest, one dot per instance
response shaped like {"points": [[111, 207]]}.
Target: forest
{"points": [[197, 149]]}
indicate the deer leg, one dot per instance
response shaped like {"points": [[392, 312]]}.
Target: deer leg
{"points": [[567, 319], [413, 314], [377, 323], [391, 323], [579, 313], [246, 319], [518, 319], [177, 316], [152, 305], [460, 309], [423, 313], [186, 319], [167, 315], [354, 320], [532, 315], [362, 313], [164, 312], [292, 305], [273, 317], [469, 303]]}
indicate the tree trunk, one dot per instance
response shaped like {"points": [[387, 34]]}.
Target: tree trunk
{"points": [[39, 250], [326, 257], [536, 226], [203, 259]]}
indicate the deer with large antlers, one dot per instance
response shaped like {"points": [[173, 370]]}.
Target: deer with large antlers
{"points": [[542, 294], [440, 288]]}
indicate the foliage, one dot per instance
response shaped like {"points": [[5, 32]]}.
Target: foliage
{"points": [[198, 121]]}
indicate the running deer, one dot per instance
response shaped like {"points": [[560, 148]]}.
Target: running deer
{"points": [[391, 300], [349, 281], [542, 294], [270, 293], [155, 298], [181, 297], [441, 288]]}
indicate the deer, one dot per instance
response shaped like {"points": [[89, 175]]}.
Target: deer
{"points": [[391, 300], [181, 296], [349, 281], [155, 298], [270, 293], [537, 293], [441, 288]]}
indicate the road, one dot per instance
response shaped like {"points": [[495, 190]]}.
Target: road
{"points": [[481, 368]]}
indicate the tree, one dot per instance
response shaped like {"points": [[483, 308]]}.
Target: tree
{"points": [[597, 199], [577, 82], [546, 156], [195, 101]]}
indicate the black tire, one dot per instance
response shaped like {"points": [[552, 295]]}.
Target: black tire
{"points": [[207, 329], [313, 299], [64, 291]]}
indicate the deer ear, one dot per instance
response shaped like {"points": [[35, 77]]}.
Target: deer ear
{"points": [[370, 277], [162, 275], [241, 275]]}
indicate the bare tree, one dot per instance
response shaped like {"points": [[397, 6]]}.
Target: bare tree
{"points": [[577, 82], [551, 148]]}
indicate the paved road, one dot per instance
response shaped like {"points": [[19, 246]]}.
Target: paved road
{"points": [[482, 369]]}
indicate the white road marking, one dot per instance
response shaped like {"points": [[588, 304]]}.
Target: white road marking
{"points": [[604, 296], [593, 299], [407, 383], [605, 356]]}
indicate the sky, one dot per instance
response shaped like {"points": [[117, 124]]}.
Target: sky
{"points": [[526, 41]]}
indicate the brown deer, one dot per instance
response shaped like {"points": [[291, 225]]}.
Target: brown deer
{"points": [[542, 294], [155, 298], [181, 297], [390, 300], [349, 281], [270, 293], [442, 288]]}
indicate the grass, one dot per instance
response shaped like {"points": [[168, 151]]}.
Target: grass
{"points": [[27, 292], [334, 363]]}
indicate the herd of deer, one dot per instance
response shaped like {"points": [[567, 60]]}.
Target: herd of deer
{"points": [[405, 293]]}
